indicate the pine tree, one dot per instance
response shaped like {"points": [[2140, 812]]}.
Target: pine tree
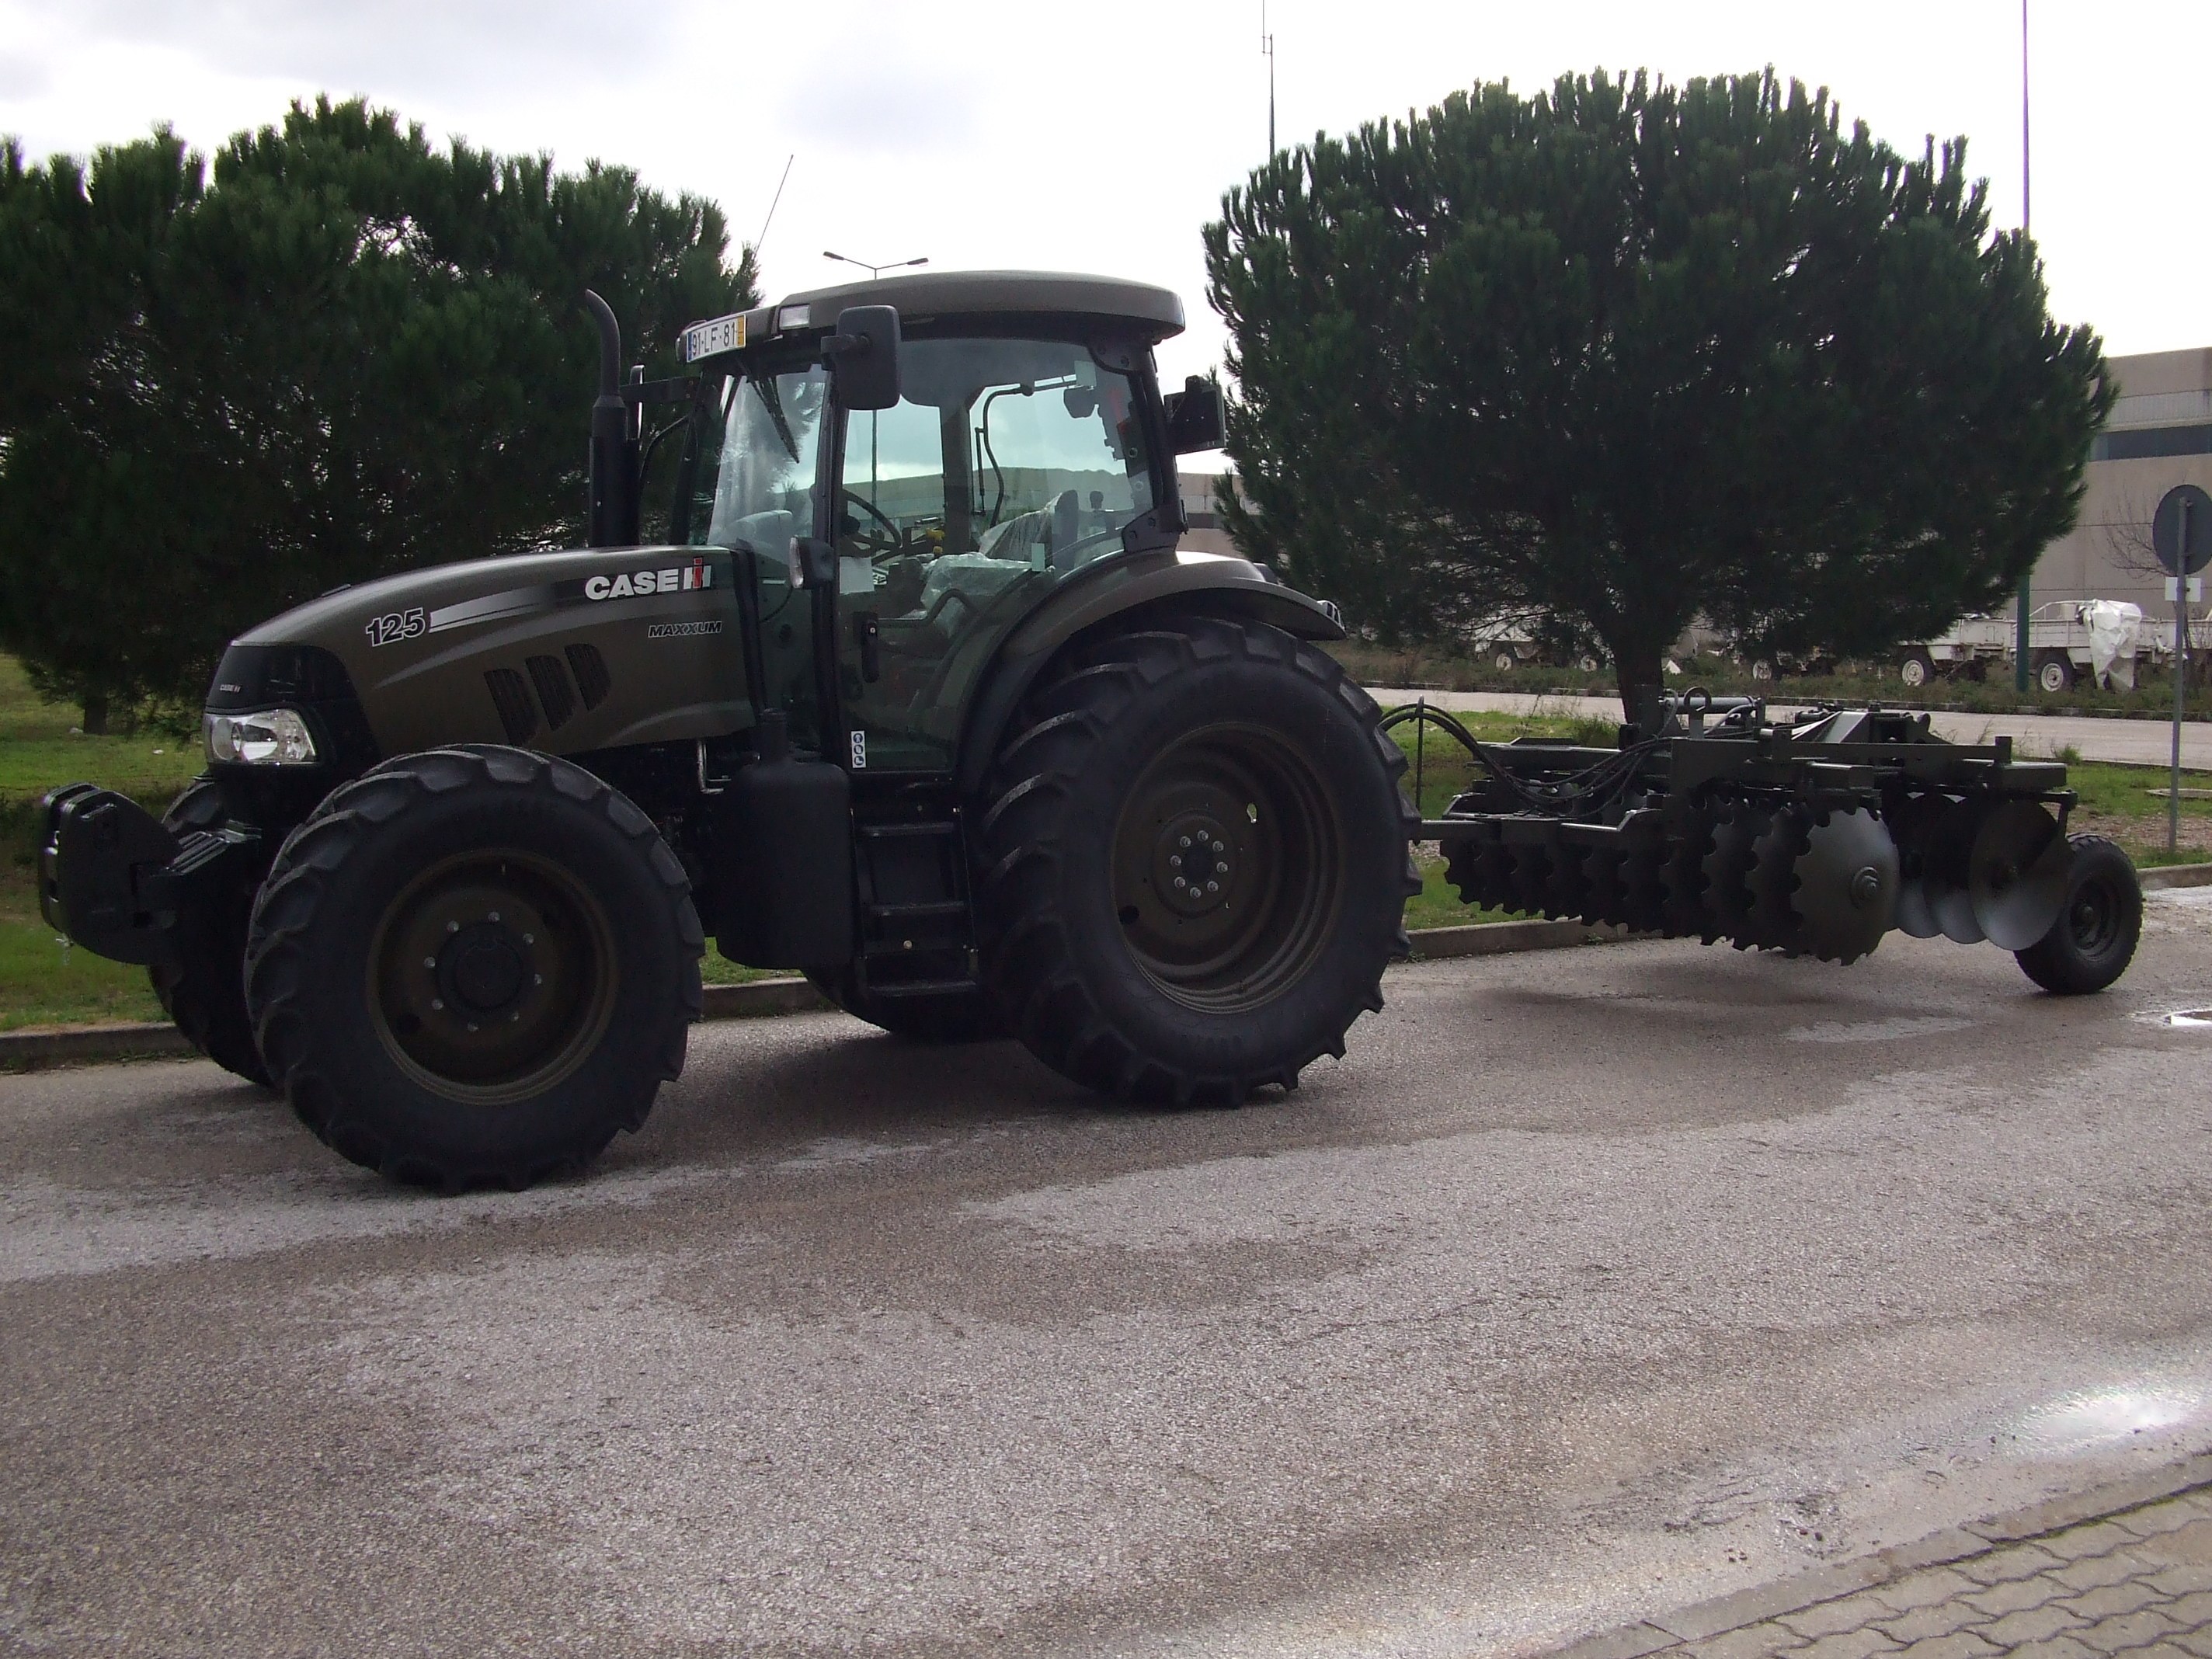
{"points": [[1627, 353], [348, 352]]}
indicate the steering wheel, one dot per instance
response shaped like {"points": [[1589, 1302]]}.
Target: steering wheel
{"points": [[882, 540]]}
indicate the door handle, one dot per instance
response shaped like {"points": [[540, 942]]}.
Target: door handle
{"points": [[866, 634]]}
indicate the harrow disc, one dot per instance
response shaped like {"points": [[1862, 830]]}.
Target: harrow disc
{"points": [[1912, 828], [1772, 924], [1527, 876], [1727, 863], [1845, 896], [1945, 872], [2016, 874], [1604, 886], [1566, 888], [1682, 877], [1476, 867], [1642, 888]]}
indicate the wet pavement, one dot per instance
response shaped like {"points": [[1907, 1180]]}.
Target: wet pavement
{"points": [[2134, 1579], [2136, 741], [1591, 1283]]}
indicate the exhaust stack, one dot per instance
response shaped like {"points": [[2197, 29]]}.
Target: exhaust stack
{"points": [[613, 502]]}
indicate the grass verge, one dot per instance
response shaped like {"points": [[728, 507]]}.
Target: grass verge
{"points": [[45, 982]]}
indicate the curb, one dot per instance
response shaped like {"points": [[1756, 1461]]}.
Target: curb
{"points": [[2176, 875], [1704, 1621], [86, 1045]]}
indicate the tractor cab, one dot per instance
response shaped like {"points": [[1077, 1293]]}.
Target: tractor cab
{"points": [[908, 467]]}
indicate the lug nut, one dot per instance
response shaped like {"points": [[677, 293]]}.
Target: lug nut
{"points": [[1174, 860], [1185, 842], [452, 926], [438, 1003], [429, 961]]}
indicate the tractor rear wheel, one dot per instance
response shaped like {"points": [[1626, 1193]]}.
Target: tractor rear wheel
{"points": [[2095, 936], [204, 990], [1194, 863], [474, 965]]}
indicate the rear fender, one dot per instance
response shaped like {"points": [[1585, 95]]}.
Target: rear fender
{"points": [[1146, 590]]}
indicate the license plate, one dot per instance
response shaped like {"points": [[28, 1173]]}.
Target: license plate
{"points": [[722, 334]]}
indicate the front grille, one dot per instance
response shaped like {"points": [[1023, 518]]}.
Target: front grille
{"points": [[516, 712], [553, 693], [590, 669]]}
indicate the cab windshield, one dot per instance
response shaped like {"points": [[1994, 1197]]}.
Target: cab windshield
{"points": [[754, 481]]}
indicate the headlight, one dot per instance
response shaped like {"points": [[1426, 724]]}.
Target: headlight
{"points": [[276, 736]]}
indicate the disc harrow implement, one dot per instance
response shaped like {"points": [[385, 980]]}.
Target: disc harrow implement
{"points": [[1813, 833]]}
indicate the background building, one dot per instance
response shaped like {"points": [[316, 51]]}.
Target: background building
{"points": [[2159, 436]]}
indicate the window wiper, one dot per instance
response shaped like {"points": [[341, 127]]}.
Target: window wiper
{"points": [[772, 401]]}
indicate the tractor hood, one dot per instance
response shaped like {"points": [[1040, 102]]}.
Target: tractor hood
{"points": [[562, 652]]}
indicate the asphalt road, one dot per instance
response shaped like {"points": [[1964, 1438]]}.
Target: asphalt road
{"points": [[1590, 1282], [2142, 742]]}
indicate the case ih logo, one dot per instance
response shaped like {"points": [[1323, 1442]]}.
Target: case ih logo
{"points": [[681, 580]]}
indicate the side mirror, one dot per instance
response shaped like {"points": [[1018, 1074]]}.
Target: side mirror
{"points": [[1194, 417], [864, 357]]}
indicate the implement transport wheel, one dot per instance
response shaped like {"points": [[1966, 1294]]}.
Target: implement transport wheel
{"points": [[2094, 938], [473, 966], [951, 1017], [204, 991], [1194, 863]]}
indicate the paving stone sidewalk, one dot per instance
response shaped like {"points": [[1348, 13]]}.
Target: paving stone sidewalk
{"points": [[2126, 1569]]}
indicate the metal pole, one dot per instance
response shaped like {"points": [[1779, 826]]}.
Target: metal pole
{"points": [[1420, 751], [2025, 602], [2180, 682], [1267, 51]]}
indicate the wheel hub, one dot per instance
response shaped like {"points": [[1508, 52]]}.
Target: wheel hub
{"points": [[492, 974], [485, 969], [1194, 863], [1227, 868]]}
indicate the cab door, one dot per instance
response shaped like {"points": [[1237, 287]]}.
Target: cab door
{"points": [[1007, 465]]}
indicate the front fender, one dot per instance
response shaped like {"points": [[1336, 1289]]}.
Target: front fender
{"points": [[1145, 587]]}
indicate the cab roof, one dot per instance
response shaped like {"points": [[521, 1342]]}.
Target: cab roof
{"points": [[1156, 312]]}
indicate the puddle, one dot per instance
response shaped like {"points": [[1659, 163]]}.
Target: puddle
{"points": [[2103, 1418], [2180, 1019]]}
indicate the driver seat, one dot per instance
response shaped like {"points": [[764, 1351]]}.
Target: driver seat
{"points": [[1058, 526]]}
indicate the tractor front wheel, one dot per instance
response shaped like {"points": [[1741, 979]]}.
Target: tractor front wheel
{"points": [[473, 966], [1194, 863], [202, 989]]}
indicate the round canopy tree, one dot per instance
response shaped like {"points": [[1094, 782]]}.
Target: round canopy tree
{"points": [[349, 352], [1629, 353]]}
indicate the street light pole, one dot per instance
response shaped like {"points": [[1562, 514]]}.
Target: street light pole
{"points": [[2025, 602], [1268, 52], [874, 271]]}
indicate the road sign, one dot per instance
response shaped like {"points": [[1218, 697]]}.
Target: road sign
{"points": [[2182, 531]]}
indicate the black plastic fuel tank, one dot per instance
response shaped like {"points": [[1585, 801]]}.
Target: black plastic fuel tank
{"points": [[783, 853]]}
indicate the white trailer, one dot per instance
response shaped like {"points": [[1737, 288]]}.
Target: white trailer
{"points": [[2061, 649]]}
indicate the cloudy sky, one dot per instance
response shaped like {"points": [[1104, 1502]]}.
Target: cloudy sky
{"points": [[1042, 133]]}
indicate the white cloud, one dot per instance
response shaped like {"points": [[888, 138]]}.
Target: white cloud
{"points": [[1020, 132]]}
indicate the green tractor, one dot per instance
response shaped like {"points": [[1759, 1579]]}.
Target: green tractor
{"points": [[916, 694]]}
